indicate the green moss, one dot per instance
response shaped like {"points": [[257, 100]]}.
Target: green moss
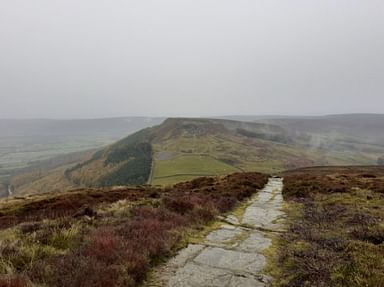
{"points": [[198, 236], [239, 211]]}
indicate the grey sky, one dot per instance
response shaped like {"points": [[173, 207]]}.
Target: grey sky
{"points": [[93, 58]]}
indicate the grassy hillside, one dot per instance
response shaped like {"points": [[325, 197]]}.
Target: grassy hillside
{"points": [[190, 148], [46, 175], [183, 148], [221, 146], [127, 162], [177, 150]]}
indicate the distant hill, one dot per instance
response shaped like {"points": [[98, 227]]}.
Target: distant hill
{"points": [[187, 148], [173, 151], [25, 141], [350, 135], [113, 127], [184, 148], [364, 128], [180, 149], [28, 144]]}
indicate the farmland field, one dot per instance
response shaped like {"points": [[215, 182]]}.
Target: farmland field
{"points": [[186, 167]]}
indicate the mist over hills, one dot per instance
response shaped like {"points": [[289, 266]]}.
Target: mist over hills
{"points": [[41, 143], [192, 143], [116, 127], [22, 141], [365, 127], [181, 149]]}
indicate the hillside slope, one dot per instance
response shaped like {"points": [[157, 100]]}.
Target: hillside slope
{"points": [[181, 149], [127, 162], [186, 148], [29, 143], [347, 132], [177, 150]]}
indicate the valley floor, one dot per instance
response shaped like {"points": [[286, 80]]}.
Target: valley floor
{"points": [[234, 253]]}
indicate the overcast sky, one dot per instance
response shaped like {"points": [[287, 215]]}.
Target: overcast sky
{"points": [[99, 58]]}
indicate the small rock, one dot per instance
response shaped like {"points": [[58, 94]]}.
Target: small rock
{"points": [[192, 275], [186, 254], [232, 260], [223, 236]]}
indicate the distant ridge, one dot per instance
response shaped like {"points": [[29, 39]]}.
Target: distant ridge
{"points": [[181, 149], [129, 160]]}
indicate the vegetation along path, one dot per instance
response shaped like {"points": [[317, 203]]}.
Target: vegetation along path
{"points": [[233, 254]]}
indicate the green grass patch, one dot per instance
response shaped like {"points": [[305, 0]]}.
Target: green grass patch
{"points": [[187, 167]]}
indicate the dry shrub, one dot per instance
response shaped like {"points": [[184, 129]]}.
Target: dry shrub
{"points": [[337, 238], [76, 270], [223, 204], [371, 234], [121, 253], [29, 227], [306, 182], [202, 215], [14, 281], [68, 204], [104, 245], [180, 205]]}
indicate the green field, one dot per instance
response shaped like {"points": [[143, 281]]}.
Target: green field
{"points": [[186, 167], [185, 157]]}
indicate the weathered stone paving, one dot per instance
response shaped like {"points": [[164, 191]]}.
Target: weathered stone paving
{"points": [[233, 254]]}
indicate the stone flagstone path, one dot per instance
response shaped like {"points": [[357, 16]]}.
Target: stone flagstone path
{"points": [[233, 254]]}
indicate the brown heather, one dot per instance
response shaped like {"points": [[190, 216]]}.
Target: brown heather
{"points": [[336, 235], [120, 250]]}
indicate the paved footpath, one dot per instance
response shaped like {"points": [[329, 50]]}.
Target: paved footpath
{"points": [[233, 254]]}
